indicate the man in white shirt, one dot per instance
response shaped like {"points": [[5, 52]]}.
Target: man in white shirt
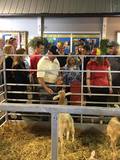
{"points": [[47, 73]]}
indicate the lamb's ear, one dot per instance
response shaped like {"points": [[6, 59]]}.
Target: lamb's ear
{"points": [[68, 93], [56, 97]]}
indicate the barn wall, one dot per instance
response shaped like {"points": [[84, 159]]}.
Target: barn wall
{"points": [[20, 24], [85, 24]]}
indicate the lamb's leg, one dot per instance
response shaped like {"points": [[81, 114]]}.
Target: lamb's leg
{"points": [[61, 156], [113, 145], [114, 153], [73, 132], [73, 137], [114, 156], [61, 146], [114, 150], [68, 135]]}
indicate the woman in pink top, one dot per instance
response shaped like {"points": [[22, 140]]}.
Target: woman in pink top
{"points": [[98, 81]]}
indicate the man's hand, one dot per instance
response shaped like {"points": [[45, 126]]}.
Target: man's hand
{"points": [[110, 90], [44, 85], [49, 90]]}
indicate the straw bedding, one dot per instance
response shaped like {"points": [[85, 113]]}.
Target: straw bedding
{"points": [[22, 141]]}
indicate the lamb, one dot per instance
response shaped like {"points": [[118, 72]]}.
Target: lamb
{"points": [[113, 131], [65, 121], [62, 97]]}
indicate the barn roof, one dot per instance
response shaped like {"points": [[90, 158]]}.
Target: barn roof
{"points": [[59, 7]]}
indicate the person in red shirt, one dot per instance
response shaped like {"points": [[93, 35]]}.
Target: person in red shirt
{"points": [[34, 59], [39, 50], [98, 81]]}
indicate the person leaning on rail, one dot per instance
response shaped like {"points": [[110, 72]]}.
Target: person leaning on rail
{"points": [[8, 52], [20, 76], [72, 77], [34, 59], [48, 73], [114, 59], [99, 81]]}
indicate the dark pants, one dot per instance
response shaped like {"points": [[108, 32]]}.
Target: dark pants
{"points": [[35, 89], [46, 98], [114, 98], [99, 99]]}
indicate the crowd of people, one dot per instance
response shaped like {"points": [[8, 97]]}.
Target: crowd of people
{"points": [[13, 65], [93, 80]]}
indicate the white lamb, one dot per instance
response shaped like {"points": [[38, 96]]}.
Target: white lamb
{"points": [[113, 131], [65, 121]]}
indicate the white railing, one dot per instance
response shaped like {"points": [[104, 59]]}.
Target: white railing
{"points": [[82, 94]]}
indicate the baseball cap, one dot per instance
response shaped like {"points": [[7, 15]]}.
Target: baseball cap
{"points": [[54, 50]]}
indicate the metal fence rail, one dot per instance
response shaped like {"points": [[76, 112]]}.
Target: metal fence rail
{"points": [[82, 93]]}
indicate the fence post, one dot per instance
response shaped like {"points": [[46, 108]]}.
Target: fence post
{"points": [[54, 136]]}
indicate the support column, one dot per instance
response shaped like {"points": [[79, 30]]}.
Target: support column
{"points": [[42, 26], [101, 27], [54, 136], [104, 30]]}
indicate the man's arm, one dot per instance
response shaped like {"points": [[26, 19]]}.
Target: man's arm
{"points": [[44, 85]]}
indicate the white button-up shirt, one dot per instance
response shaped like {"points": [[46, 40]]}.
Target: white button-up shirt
{"points": [[47, 69]]}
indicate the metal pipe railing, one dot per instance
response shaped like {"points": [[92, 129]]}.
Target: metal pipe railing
{"points": [[82, 94]]}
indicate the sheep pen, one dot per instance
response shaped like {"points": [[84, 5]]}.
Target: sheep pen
{"points": [[27, 141]]}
